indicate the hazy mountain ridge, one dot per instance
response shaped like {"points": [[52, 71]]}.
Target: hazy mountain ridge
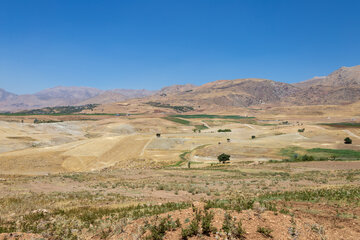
{"points": [[5, 95], [118, 95], [64, 96], [68, 94]]}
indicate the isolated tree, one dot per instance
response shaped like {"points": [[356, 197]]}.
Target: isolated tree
{"points": [[347, 140], [223, 158]]}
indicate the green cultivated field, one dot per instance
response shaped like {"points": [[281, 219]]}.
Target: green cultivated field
{"points": [[178, 120], [342, 124], [212, 116]]}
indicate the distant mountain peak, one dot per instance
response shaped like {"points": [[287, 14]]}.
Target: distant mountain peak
{"points": [[344, 76], [173, 89]]}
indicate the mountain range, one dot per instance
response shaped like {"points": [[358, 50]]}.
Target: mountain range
{"points": [[340, 87]]}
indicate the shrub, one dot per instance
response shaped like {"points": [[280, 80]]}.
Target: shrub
{"points": [[239, 231], [190, 231], [224, 130], [206, 225], [230, 227], [347, 140], [307, 158], [158, 231], [301, 130], [266, 232], [223, 158], [227, 223]]}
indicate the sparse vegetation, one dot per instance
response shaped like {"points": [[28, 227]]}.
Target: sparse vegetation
{"points": [[60, 110], [36, 121], [346, 194], [265, 231], [224, 130], [157, 231], [176, 108], [49, 222], [175, 168], [200, 127], [338, 153]]}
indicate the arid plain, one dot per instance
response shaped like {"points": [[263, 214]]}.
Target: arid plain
{"points": [[102, 175]]}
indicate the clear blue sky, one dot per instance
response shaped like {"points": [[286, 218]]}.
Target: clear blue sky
{"points": [[151, 44]]}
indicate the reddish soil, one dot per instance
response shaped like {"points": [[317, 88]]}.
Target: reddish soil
{"points": [[310, 221], [20, 236]]}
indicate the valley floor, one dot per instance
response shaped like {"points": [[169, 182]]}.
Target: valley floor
{"points": [[113, 178]]}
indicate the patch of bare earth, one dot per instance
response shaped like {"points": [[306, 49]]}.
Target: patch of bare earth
{"points": [[20, 236], [309, 221]]}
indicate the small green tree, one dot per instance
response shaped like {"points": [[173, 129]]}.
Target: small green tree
{"points": [[347, 140], [223, 158]]}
